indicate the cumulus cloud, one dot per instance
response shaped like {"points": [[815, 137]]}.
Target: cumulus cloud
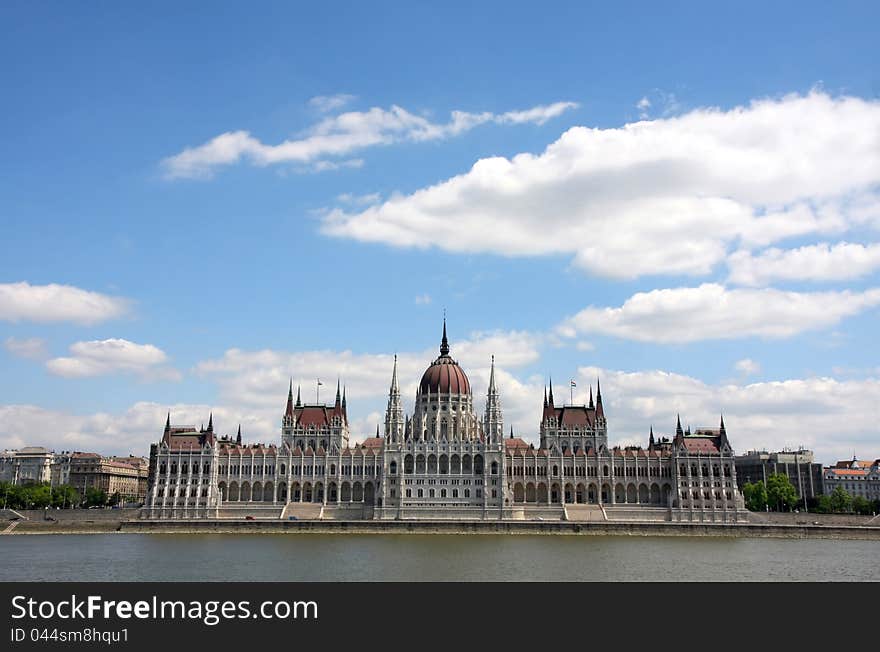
{"points": [[713, 312], [130, 431], [32, 348], [665, 196], [112, 356], [339, 135], [832, 417], [260, 378], [819, 262], [53, 302]]}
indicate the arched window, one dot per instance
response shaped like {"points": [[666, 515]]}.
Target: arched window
{"points": [[393, 467], [332, 469], [494, 468], [555, 470], [283, 469]]}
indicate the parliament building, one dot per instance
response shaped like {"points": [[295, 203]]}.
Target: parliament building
{"points": [[443, 462]]}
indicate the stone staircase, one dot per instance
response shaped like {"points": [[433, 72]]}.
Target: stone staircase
{"points": [[584, 513], [303, 512]]}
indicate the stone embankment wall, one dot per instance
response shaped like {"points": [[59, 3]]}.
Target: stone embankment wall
{"points": [[808, 518]]}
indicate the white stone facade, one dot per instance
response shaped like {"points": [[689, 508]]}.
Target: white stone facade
{"points": [[442, 462]]}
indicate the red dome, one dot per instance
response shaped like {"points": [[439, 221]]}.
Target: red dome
{"points": [[444, 376]]}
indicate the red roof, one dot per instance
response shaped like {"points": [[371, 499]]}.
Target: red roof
{"points": [[444, 376], [700, 445]]}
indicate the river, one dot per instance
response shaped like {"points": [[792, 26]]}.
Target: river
{"points": [[315, 557]]}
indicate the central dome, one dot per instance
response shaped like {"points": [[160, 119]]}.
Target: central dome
{"points": [[444, 376]]}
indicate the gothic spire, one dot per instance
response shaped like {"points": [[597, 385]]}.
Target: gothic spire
{"points": [[678, 431], [651, 438], [289, 411], [444, 343], [395, 389], [492, 389], [600, 411], [168, 422], [722, 431], [545, 395], [551, 392], [238, 436], [591, 397], [338, 395], [298, 400], [511, 432], [211, 423]]}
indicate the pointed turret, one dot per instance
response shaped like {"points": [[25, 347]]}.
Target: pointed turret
{"points": [[678, 431], [238, 436], [722, 430], [395, 423], [168, 421], [298, 399], [288, 412], [651, 438], [338, 402], [600, 411], [493, 421], [545, 396], [551, 404], [591, 398], [444, 343], [210, 423], [511, 432]]}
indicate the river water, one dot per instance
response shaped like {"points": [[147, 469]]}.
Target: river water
{"points": [[314, 557]]}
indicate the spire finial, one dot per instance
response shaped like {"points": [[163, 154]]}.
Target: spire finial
{"points": [[238, 437], [211, 422], [492, 376], [678, 431], [298, 399], [168, 421], [551, 392], [444, 343], [591, 397], [545, 395]]}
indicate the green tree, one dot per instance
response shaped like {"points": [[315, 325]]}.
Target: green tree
{"points": [[64, 496], [841, 501], [95, 497], [861, 505], [823, 505], [781, 493], [40, 496], [755, 495], [115, 498]]}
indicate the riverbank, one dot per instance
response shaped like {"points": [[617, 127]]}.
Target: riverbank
{"points": [[739, 530], [787, 526]]}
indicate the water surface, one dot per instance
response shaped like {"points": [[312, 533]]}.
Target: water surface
{"points": [[318, 557]]}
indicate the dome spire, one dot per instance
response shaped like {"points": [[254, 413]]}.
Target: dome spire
{"points": [[444, 343]]}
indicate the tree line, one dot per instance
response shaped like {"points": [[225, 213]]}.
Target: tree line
{"points": [[40, 496], [780, 495]]}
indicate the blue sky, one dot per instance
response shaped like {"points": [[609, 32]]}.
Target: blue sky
{"points": [[219, 276]]}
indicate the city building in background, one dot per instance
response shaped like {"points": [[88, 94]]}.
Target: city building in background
{"points": [[803, 472], [126, 476], [857, 477]]}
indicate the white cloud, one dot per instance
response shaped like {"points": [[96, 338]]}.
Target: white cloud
{"points": [[583, 345], [423, 299], [348, 198], [328, 103], [128, 432], [104, 357], [643, 105], [666, 196], [819, 262], [831, 417], [53, 302], [712, 312], [32, 348], [747, 367], [340, 135], [329, 166]]}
